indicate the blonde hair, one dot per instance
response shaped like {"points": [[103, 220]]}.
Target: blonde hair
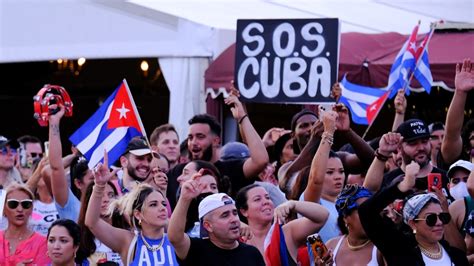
{"points": [[20, 187], [132, 201]]}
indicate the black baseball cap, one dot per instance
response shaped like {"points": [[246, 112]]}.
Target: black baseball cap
{"points": [[138, 147], [10, 142], [413, 129]]}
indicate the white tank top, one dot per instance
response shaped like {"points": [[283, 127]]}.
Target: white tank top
{"points": [[373, 261]]}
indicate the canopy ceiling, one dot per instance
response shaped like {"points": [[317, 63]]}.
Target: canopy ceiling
{"points": [[366, 16], [52, 29]]}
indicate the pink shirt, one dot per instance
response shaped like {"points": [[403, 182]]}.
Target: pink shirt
{"points": [[34, 248]]}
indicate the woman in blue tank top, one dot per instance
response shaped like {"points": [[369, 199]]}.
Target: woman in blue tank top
{"points": [[146, 209]]}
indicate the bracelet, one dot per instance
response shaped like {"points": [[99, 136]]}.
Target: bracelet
{"points": [[98, 189], [381, 157], [242, 119], [327, 137]]}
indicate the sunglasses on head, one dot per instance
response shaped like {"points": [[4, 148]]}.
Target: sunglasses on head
{"points": [[456, 180], [432, 218], [25, 204]]}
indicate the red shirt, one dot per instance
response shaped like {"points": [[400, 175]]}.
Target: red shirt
{"points": [[35, 247]]}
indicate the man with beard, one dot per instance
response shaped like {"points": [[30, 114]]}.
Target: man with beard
{"points": [[135, 164], [415, 146], [204, 144]]}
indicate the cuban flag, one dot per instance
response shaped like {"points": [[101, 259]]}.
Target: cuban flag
{"points": [[422, 70], [110, 128], [358, 99], [276, 252], [403, 66]]}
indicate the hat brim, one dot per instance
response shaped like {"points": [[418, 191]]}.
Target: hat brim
{"points": [[140, 152], [12, 143], [426, 136]]}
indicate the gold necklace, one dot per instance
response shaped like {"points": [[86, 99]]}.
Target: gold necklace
{"points": [[149, 247], [354, 248], [432, 255]]}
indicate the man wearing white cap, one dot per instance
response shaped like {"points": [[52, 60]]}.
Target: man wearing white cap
{"points": [[135, 163], [459, 173], [220, 221]]}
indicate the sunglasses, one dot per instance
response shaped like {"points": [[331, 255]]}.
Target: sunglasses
{"points": [[25, 204], [456, 180], [36, 155], [432, 218], [7, 150]]}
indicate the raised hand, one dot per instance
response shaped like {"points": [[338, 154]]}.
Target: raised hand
{"points": [[160, 179], [400, 102], [191, 188], [329, 119], [272, 135], [56, 117], [236, 107], [389, 143], [464, 79], [336, 91], [101, 172], [343, 121], [282, 212], [408, 182]]}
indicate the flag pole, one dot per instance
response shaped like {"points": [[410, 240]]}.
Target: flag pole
{"points": [[142, 128], [376, 115], [418, 59]]}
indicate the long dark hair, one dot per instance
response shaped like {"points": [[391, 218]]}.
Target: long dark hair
{"points": [[87, 246]]}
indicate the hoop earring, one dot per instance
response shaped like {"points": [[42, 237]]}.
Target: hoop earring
{"points": [[139, 222]]}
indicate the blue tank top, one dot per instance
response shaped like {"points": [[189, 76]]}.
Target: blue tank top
{"points": [[144, 257]]}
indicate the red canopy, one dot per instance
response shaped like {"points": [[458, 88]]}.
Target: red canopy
{"points": [[367, 58]]}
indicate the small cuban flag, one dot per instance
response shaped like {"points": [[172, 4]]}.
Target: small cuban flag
{"points": [[110, 128]]}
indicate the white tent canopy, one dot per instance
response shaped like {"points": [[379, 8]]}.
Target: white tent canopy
{"points": [[186, 35]]}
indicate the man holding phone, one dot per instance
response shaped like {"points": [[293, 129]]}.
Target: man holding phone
{"points": [[29, 152], [415, 146]]}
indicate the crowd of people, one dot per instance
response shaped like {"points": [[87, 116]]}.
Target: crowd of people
{"points": [[403, 198]]}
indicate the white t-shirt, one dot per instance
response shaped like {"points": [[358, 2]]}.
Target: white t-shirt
{"points": [[44, 214]]}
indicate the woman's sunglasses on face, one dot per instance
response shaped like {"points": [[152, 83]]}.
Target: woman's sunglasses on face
{"points": [[25, 204], [432, 218]]}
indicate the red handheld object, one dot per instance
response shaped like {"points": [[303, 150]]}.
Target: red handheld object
{"points": [[434, 180], [43, 98]]}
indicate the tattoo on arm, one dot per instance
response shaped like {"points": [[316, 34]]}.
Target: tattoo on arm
{"points": [[54, 130]]}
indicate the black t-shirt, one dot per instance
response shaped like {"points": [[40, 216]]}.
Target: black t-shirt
{"points": [[232, 173], [421, 183], [204, 252]]}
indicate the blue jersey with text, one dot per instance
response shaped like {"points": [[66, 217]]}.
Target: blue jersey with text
{"points": [[144, 257]]}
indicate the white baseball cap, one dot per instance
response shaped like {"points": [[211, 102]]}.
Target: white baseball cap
{"points": [[213, 202], [460, 164]]}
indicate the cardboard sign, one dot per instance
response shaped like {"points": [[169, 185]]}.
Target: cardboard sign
{"points": [[287, 60]]}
